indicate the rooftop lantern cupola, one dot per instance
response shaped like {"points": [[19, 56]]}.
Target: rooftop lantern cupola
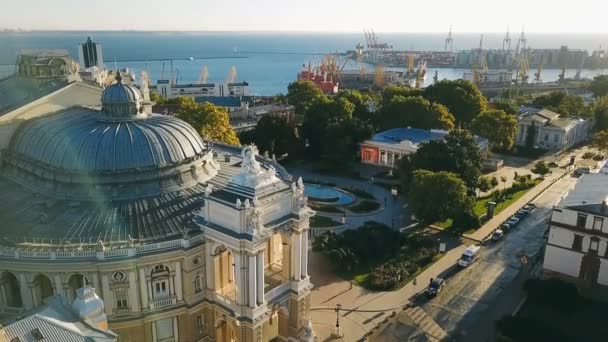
{"points": [[122, 102]]}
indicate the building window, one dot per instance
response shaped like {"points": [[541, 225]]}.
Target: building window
{"points": [[121, 298], [597, 223], [546, 137], [197, 284], [577, 244], [581, 220], [199, 321], [594, 245], [555, 138]]}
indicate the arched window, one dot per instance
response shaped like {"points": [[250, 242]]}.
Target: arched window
{"points": [[160, 281]]}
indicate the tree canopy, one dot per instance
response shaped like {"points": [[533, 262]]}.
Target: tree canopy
{"points": [[437, 196], [415, 111], [389, 92], [303, 94], [210, 121], [457, 152], [562, 103], [497, 126], [275, 134], [362, 101], [600, 141], [600, 113], [541, 168], [462, 98], [509, 106], [599, 86]]}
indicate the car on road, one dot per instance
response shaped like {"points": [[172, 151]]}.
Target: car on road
{"points": [[435, 287], [468, 256], [497, 235], [514, 220]]}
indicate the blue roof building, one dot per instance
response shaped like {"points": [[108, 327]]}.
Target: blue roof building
{"points": [[386, 148]]}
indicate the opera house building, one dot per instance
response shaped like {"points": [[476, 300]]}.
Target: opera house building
{"points": [[182, 239]]}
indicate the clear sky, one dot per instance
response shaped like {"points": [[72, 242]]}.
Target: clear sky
{"points": [[308, 15]]}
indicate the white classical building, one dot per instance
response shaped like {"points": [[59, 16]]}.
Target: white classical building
{"points": [[183, 242], [576, 248], [551, 131]]}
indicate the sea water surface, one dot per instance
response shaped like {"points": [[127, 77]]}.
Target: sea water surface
{"points": [[268, 61]]}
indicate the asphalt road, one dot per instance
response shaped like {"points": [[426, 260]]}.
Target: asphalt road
{"points": [[470, 291]]}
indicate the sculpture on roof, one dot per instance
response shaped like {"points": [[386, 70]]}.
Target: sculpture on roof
{"points": [[254, 220], [252, 174], [299, 199]]}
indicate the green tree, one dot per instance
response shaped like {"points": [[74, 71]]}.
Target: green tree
{"points": [[209, 120], [457, 152], [303, 94], [531, 137], [509, 106], [600, 141], [551, 100], [320, 117], [437, 196], [342, 138], [484, 184], [462, 98], [497, 126], [362, 101], [599, 86], [541, 168], [391, 91], [493, 182], [503, 179], [416, 112], [573, 105], [154, 97], [600, 113], [275, 134]]}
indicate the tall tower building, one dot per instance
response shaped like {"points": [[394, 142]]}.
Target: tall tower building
{"points": [[90, 55]]}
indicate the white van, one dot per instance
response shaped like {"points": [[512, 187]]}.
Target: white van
{"points": [[468, 256]]}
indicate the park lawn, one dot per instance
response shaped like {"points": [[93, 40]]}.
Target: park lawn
{"points": [[481, 204], [323, 222]]}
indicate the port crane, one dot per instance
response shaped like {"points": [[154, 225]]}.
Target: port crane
{"points": [[506, 42], [537, 74], [449, 41]]}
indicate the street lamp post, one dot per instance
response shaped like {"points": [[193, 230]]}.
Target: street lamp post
{"points": [[338, 331]]}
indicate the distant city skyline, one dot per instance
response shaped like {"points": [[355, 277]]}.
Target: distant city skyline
{"points": [[541, 16]]}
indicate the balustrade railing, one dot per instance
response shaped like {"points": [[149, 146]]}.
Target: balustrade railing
{"points": [[28, 252], [121, 311], [163, 302]]}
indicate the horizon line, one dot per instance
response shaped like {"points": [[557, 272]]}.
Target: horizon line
{"points": [[22, 30]]}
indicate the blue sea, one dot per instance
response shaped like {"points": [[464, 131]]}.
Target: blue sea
{"points": [[268, 61]]}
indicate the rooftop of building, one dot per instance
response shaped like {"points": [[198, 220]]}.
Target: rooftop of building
{"points": [[414, 135], [223, 101], [270, 108], [54, 321], [17, 91], [588, 193]]}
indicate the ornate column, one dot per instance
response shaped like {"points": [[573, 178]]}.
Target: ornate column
{"points": [[175, 329], [59, 289], [154, 339], [108, 299], [238, 275], [96, 282], [251, 280], [260, 277], [304, 254], [171, 284], [297, 270], [209, 267], [3, 293], [143, 289], [133, 297], [26, 292], [178, 281]]}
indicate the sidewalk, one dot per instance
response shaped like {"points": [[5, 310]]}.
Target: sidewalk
{"points": [[484, 231]]}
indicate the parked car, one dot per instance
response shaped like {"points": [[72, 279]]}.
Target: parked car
{"points": [[514, 220], [521, 213], [504, 227], [435, 287], [469, 256], [528, 208], [553, 164], [497, 235]]}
